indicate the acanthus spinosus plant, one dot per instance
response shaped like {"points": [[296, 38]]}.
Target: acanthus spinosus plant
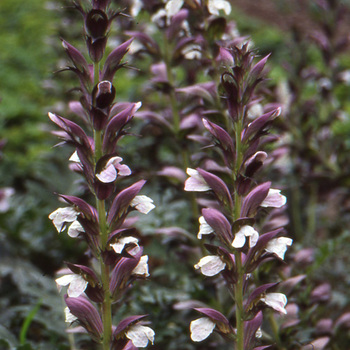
{"points": [[232, 219], [94, 292]]}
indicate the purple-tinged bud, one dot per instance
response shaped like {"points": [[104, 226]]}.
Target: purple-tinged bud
{"points": [[250, 329], [254, 163], [319, 344], [113, 60], [99, 118], [96, 48], [254, 199], [122, 202], [218, 186], [219, 223], [321, 293], [75, 133], [258, 68], [103, 94], [76, 57], [96, 24], [324, 327], [87, 315], [114, 128], [257, 126]]}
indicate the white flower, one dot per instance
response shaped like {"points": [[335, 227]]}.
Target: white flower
{"points": [[136, 8], [112, 169], [75, 229], [201, 328], [74, 158], [173, 7], [215, 5], [204, 228], [143, 204], [69, 316], [278, 246], [140, 335], [192, 52], [5, 194], [240, 237], [62, 215], [277, 301], [258, 333], [274, 199], [210, 265], [119, 245], [142, 267], [76, 284], [195, 182]]}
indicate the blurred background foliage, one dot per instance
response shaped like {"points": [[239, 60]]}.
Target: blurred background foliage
{"points": [[31, 252]]}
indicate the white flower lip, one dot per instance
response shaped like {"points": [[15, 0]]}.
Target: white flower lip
{"points": [[140, 335], [112, 169], [201, 328], [119, 245], [69, 317], [195, 182], [274, 199], [75, 229], [142, 267], [215, 5], [210, 265], [240, 237], [204, 228], [62, 215], [76, 284], [278, 246], [277, 301], [143, 204]]}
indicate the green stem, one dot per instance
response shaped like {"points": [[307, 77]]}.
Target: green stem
{"points": [[239, 302], [238, 288], [106, 308], [275, 331]]}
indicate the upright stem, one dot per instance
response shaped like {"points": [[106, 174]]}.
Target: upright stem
{"points": [[238, 290], [106, 308], [239, 303]]}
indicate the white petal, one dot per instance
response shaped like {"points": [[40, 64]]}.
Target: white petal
{"points": [[143, 204], [108, 174], [274, 199], [77, 286], [210, 265], [277, 301], [278, 246], [173, 7], [201, 328], [142, 267], [215, 5], [140, 335], [64, 280], [75, 229], [195, 182], [239, 240], [119, 245], [204, 228], [123, 170], [69, 316], [62, 215], [75, 158]]}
